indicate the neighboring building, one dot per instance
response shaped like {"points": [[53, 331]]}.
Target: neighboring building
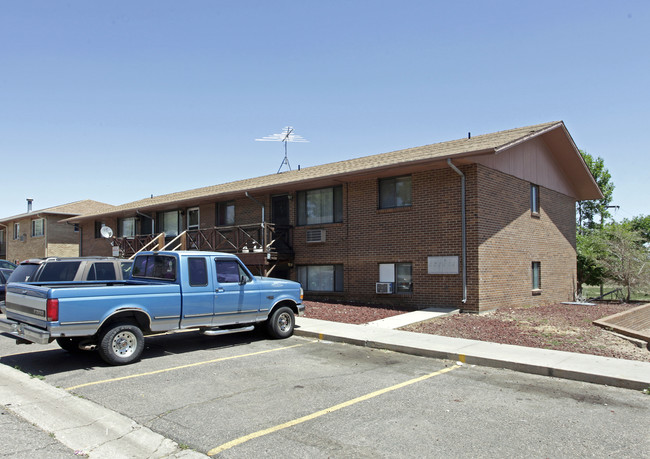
{"points": [[40, 234], [390, 228]]}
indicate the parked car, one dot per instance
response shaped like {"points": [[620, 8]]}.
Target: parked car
{"points": [[71, 269], [4, 264], [4, 275]]}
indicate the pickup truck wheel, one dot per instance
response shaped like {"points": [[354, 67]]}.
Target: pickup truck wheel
{"points": [[280, 324], [121, 344], [69, 344]]}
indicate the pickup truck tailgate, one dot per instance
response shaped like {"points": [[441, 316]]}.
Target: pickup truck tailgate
{"points": [[29, 303]]}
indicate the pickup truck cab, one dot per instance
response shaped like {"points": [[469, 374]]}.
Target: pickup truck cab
{"points": [[211, 291]]}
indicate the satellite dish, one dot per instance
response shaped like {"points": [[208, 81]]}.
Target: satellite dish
{"points": [[106, 232]]}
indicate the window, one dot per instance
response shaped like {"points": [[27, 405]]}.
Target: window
{"points": [[38, 227], [395, 192], [155, 267], [230, 272], [225, 213], [401, 274], [127, 227], [102, 271], [316, 207], [16, 231], [323, 278], [537, 275], [198, 270], [59, 271], [98, 229], [169, 223], [534, 199], [193, 218]]}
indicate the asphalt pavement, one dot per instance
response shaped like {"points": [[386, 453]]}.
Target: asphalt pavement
{"points": [[69, 426]]}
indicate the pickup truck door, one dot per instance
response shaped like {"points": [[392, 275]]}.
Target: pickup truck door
{"points": [[198, 293], [237, 298]]}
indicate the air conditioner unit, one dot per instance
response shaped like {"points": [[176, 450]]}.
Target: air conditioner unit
{"points": [[316, 235], [384, 287]]}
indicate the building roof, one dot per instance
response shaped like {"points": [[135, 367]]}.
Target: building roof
{"points": [[87, 206], [493, 143]]}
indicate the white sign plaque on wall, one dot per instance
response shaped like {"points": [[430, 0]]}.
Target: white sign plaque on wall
{"points": [[443, 265]]}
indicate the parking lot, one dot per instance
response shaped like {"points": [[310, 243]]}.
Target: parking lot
{"points": [[244, 396]]}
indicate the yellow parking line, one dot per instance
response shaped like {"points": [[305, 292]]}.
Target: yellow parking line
{"points": [[261, 433], [222, 359]]}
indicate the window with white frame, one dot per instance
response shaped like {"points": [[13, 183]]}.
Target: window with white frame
{"points": [[324, 205], [395, 192], [400, 274], [16, 231], [193, 218], [321, 278], [38, 227]]}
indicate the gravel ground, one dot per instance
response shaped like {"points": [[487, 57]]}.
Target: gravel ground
{"points": [[557, 326]]}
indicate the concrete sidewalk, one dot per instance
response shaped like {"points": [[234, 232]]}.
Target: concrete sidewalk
{"points": [[381, 334]]}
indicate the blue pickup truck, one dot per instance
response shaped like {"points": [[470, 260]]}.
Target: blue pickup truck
{"points": [[210, 291]]}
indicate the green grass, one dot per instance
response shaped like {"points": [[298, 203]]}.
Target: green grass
{"points": [[593, 291]]}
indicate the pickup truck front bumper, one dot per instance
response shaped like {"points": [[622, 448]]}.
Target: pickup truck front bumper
{"points": [[25, 332]]}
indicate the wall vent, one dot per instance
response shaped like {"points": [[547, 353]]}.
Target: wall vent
{"points": [[316, 235], [384, 287]]}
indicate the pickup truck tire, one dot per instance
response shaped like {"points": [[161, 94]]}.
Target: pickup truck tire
{"points": [[121, 344], [280, 324], [69, 344]]}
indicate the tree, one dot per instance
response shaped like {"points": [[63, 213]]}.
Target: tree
{"points": [[640, 224], [625, 260], [589, 211], [590, 249]]}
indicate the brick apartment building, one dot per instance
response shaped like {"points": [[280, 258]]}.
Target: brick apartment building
{"points": [[475, 223], [41, 233]]}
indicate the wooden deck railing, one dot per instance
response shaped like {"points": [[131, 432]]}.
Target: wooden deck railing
{"points": [[256, 238]]}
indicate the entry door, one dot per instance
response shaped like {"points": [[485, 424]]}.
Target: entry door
{"points": [[237, 294], [280, 217]]}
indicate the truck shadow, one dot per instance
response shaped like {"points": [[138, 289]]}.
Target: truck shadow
{"points": [[41, 361]]}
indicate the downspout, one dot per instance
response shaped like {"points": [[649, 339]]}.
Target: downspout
{"points": [[464, 227]]}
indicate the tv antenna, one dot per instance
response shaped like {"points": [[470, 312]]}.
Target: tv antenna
{"points": [[287, 135]]}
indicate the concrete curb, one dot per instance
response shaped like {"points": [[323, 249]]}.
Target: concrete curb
{"points": [[629, 374], [81, 425]]}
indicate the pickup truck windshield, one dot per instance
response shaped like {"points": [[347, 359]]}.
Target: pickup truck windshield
{"points": [[160, 267]]}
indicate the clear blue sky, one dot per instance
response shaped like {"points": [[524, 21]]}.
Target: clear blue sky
{"points": [[118, 100]]}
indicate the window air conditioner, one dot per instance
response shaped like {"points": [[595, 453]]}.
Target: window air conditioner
{"points": [[316, 235], [384, 287]]}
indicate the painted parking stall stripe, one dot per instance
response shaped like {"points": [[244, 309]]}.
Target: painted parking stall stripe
{"points": [[309, 417], [182, 367]]}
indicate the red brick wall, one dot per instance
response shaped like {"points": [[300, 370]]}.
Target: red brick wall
{"points": [[510, 239]]}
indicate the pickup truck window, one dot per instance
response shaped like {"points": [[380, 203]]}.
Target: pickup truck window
{"points": [[160, 267], [198, 270], [102, 271], [56, 272], [229, 271]]}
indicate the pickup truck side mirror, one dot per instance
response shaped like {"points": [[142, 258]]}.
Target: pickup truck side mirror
{"points": [[242, 280]]}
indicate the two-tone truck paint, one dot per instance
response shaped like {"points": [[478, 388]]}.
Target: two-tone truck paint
{"points": [[211, 291]]}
